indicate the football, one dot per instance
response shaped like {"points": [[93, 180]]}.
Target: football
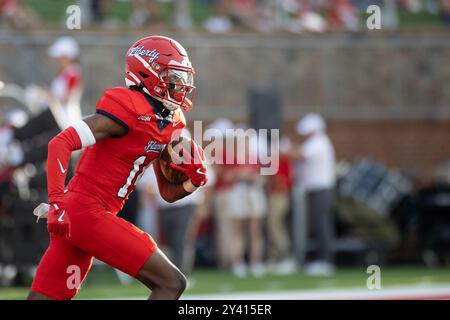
{"points": [[166, 158]]}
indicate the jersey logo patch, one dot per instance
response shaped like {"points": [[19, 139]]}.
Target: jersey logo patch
{"points": [[154, 146], [60, 219], [61, 167]]}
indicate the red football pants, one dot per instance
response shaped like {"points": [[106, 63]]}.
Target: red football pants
{"points": [[95, 232]]}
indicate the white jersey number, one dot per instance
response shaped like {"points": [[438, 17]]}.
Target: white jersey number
{"points": [[136, 167]]}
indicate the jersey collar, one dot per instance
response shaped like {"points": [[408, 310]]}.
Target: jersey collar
{"points": [[161, 121]]}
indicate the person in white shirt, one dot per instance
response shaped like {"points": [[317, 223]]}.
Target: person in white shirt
{"points": [[67, 87], [56, 107], [315, 173]]}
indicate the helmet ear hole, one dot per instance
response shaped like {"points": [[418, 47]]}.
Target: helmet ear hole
{"points": [[143, 75]]}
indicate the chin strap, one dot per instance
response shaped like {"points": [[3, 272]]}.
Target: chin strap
{"points": [[167, 104]]}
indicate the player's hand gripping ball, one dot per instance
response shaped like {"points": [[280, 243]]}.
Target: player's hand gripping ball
{"points": [[183, 159], [167, 157]]}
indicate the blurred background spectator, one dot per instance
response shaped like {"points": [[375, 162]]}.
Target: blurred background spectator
{"points": [[316, 175], [223, 231], [55, 106], [279, 189], [219, 21], [144, 13], [343, 16], [67, 88], [14, 14], [61, 99], [445, 12], [247, 209], [223, 16]]}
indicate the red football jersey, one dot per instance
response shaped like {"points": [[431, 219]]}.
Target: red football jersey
{"points": [[111, 168]]}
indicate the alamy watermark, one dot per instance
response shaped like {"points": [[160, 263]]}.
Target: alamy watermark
{"points": [[374, 280], [373, 22], [74, 279], [73, 20], [233, 146]]}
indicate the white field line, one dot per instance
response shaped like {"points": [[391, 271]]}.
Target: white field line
{"points": [[415, 292]]}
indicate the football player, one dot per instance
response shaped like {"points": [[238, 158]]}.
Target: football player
{"points": [[124, 136]]}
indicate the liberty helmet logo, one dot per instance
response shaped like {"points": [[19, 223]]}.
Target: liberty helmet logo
{"points": [[152, 54]]}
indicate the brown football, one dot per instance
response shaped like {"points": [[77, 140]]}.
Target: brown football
{"points": [[172, 175]]}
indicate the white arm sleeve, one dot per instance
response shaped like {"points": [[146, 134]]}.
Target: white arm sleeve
{"points": [[84, 132]]}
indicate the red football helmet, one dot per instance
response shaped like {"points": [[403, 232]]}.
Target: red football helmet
{"points": [[161, 67]]}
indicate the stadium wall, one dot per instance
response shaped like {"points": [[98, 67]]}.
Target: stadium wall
{"points": [[414, 147], [384, 94]]}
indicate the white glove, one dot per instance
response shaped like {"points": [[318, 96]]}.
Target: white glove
{"points": [[41, 211]]}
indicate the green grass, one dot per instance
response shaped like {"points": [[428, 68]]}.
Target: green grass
{"points": [[102, 283]]}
